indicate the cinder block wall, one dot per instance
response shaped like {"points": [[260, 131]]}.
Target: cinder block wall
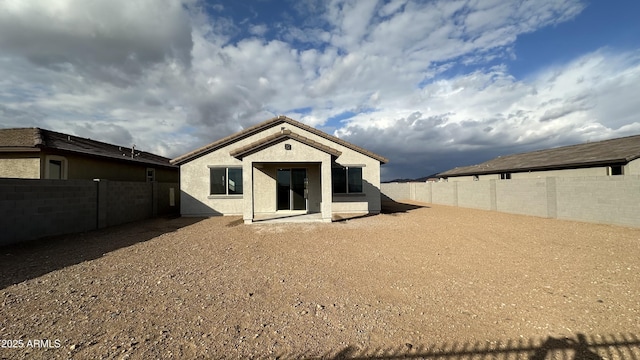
{"points": [[523, 196], [611, 199], [423, 192], [34, 208], [395, 191], [600, 199], [445, 193], [477, 195], [129, 201]]}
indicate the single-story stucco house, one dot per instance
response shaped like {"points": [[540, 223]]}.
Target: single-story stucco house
{"points": [[620, 156], [35, 153], [279, 167]]}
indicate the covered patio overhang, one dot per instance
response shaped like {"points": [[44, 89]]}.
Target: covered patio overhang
{"points": [[286, 175]]}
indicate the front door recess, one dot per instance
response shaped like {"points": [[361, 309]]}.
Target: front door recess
{"points": [[292, 189]]}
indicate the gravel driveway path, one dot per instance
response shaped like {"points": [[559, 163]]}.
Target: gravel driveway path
{"points": [[423, 281]]}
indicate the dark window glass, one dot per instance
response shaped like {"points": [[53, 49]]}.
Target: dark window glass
{"points": [[235, 181], [355, 180], [616, 170], [218, 181], [339, 180], [55, 169]]}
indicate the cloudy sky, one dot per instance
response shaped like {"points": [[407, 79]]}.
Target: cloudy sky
{"points": [[429, 84]]}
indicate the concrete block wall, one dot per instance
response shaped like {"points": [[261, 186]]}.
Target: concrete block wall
{"points": [[34, 208], [606, 199], [422, 192], [128, 201], [600, 199], [395, 191], [523, 196], [444, 193], [477, 195]]}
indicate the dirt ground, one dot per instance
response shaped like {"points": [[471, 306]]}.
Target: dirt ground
{"points": [[421, 281]]}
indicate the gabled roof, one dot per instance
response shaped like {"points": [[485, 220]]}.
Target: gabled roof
{"points": [[265, 125], [36, 139], [278, 137], [607, 152]]}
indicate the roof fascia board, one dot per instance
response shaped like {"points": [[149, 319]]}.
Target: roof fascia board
{"points": [[279, 139], [125, 159], [265, 125], [9, 149], [581, 165]]}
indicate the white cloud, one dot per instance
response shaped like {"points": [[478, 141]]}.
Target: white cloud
{"points": [[170, 76], [258, 30], [110, 40], [484, 114]]}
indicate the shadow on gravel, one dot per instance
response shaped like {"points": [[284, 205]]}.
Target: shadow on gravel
{"points": [[29, 260], [393, 207], [388, 206], [622, 346]]}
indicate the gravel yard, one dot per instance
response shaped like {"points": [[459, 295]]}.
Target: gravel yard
{"points": [[423, 281]]}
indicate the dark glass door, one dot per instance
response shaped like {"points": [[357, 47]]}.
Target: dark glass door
{"points": [[299, 201], [284, 189], [291, 191]]}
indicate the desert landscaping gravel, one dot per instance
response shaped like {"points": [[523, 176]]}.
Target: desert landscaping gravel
{"points": [[421, 281]]}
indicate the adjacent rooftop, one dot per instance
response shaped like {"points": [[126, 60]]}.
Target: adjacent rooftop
{"points": [[607, 152], [36, 139]]}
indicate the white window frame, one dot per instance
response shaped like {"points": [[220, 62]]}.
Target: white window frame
{"points": [[151, 178], [226, 180], [64, 171], [610, 170], [346, 169]]}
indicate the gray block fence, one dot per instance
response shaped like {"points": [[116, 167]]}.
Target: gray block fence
{"points": [[607, 199], [33, 208]]}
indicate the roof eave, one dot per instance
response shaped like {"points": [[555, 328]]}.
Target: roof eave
{"points": [[264, 125], [538, 168], [8, 149], [250, 149]]}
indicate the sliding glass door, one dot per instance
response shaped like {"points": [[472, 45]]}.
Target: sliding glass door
{"points": [[291, 191]]}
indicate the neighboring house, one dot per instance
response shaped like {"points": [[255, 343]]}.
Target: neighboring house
{"points": [[602, 158], [280, 166], [34, 153]]}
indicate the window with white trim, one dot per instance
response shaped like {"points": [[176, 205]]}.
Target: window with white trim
{"points": [[615, 170], [151, 174], [225, 181], [56, 167], [347, 180]]}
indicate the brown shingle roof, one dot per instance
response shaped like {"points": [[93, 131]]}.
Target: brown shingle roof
{"points": [[264, 125], [20, 138], [34, 139], [278, 137], [606, 152]]}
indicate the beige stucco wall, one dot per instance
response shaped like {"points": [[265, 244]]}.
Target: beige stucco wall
{"points": [[264, 195], [80, 167], [20, 167], [269, 160], [276, 156], [632, 168], [593, 171], [194, 180]]}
